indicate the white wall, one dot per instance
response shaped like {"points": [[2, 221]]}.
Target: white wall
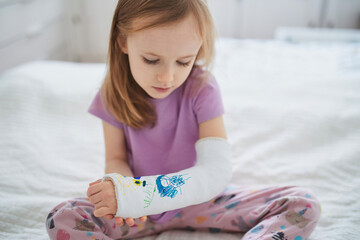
{"points": [[31, 29], [261, 18], [89, 23]]}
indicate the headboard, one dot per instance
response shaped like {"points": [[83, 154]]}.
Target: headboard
{"points": [[31, 30]]}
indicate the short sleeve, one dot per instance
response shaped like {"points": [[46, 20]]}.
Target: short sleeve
{"points": [[98, 109], [208, 102]]}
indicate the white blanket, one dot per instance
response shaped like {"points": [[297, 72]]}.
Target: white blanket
{"points": [[292, 117]]}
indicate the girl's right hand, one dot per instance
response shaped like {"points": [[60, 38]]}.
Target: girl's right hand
{"points": [[129, 221], [119, 220]]}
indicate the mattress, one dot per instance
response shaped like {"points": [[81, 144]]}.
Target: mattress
{"points": [[292, 114]]}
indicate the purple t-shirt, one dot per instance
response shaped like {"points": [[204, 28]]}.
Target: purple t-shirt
{"points": [[170, 145]]}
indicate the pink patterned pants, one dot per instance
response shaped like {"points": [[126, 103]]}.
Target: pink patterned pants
{"points": [[277, 213]]}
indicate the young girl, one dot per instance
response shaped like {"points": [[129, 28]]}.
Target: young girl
{"points": [[163, 127]]}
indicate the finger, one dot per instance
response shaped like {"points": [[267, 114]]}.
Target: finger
{"points": [[97, 181], [95, 199], [101, 212], [101, 204], [130, 221], [109, 216], [143, 219], [119, 221], [93, 189]]}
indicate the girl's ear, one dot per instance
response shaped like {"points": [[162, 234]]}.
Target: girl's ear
{"points": [[122, 43]]}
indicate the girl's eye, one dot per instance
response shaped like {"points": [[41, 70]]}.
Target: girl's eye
{"points": [[183, 64], [152, 62]]}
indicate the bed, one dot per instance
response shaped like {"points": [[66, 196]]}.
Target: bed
{"points": [[292, 117]]}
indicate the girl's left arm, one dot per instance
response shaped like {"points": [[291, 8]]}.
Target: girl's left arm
{"points": [[212, 128], [155, 194]]}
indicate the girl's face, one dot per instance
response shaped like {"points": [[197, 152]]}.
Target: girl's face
{"points": [[161, 58]]}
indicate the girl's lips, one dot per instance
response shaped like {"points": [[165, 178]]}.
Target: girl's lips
{"points": [[161, 90]]}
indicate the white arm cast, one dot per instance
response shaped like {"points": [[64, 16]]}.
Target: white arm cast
{"points": [[137, 197]]}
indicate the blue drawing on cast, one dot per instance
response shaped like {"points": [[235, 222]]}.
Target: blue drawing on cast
{"points": [[168, 186], [138, 182]]}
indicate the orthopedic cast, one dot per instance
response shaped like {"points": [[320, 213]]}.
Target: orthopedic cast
{"points": [[149, 195]]}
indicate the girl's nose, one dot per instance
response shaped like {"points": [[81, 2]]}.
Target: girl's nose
{"points": [[166, 75]]}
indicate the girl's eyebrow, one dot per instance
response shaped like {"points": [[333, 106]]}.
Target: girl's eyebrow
{"points": [[155, 55]]}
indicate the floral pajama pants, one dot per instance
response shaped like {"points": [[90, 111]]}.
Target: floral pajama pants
{"points": [[277, 213]]}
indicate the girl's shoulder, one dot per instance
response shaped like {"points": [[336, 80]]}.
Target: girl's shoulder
{"points": [[200, 82], [204, 95]]}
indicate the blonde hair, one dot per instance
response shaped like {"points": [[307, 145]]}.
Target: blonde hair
{"points": [[121, 95]]}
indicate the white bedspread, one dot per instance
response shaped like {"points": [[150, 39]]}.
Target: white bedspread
{"points": [[292, 116]]}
